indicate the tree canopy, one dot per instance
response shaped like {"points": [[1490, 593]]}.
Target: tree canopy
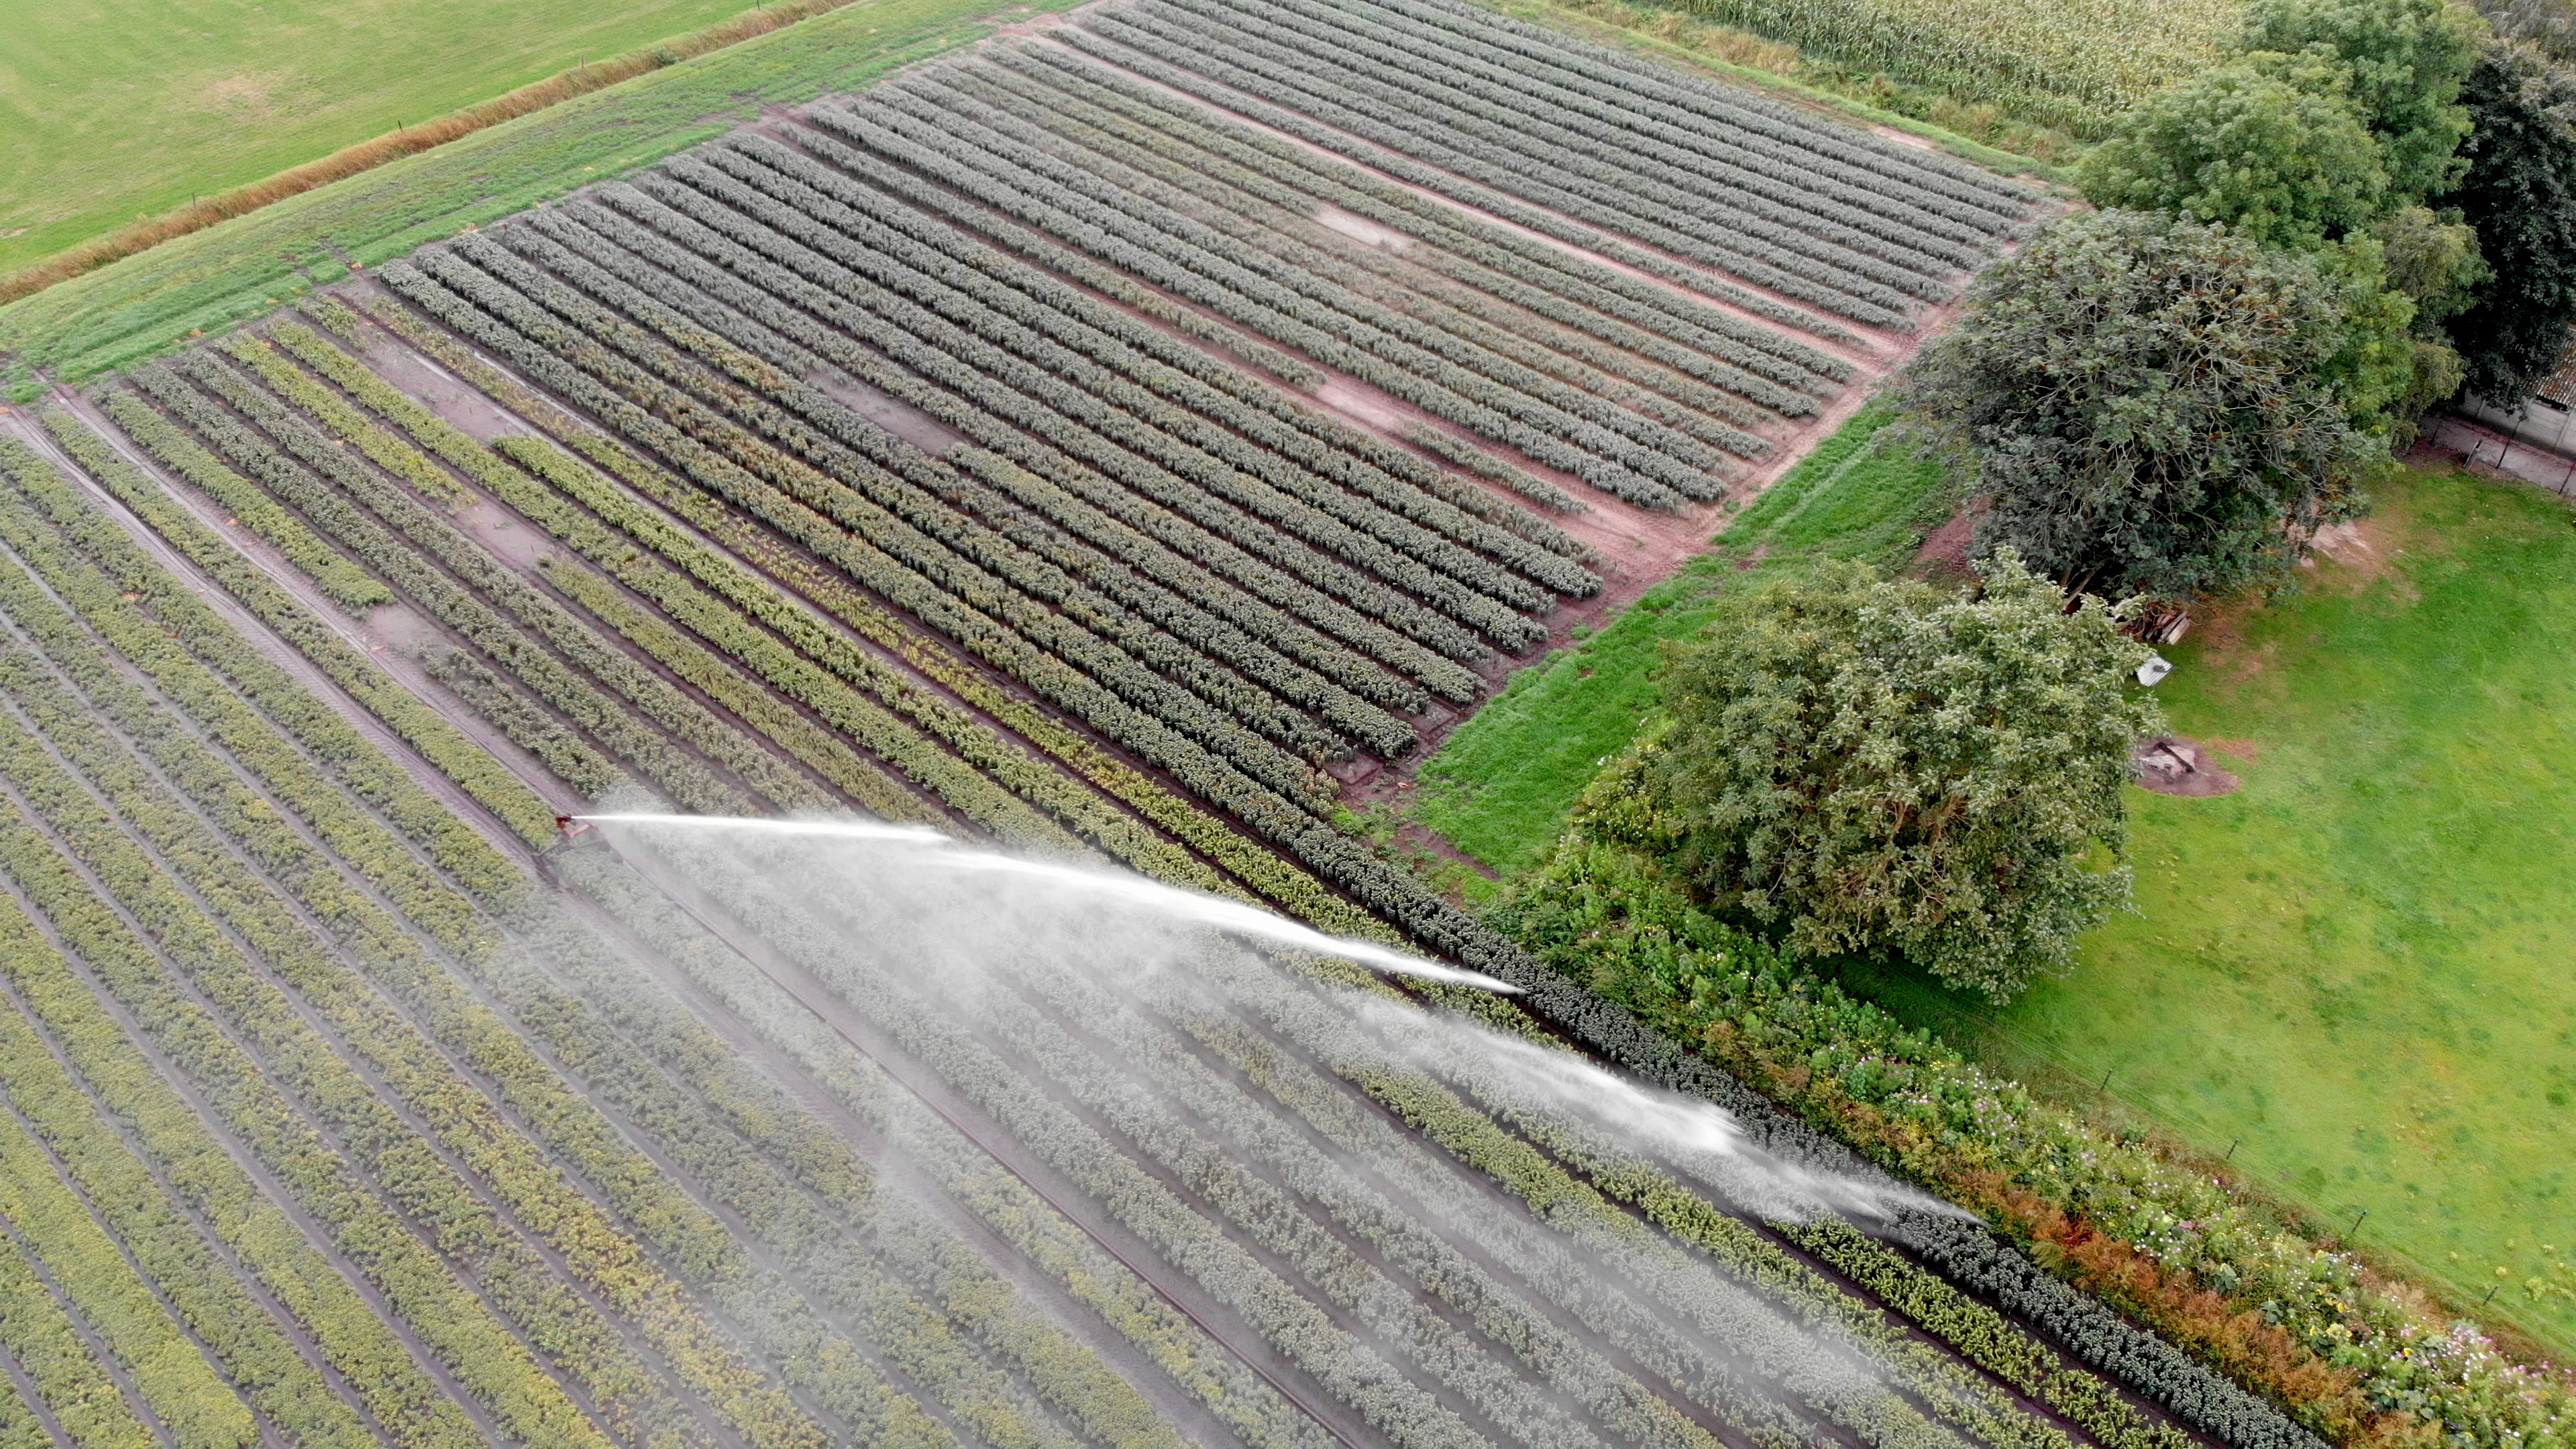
{"points": [[2269, 145], [1889, 767], [2159, 406], [2402, 64], [2519, 191]]}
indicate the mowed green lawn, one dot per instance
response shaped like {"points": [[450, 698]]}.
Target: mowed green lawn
{"points": [[2362, 964], [114, 109]]}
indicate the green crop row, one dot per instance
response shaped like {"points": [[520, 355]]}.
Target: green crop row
{"points": [[832, 594], [75, 1386], [458, 848], [493, 1366], [197, 1407], [456, 605], [525, 722]]}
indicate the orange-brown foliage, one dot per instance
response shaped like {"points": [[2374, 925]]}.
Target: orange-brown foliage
{"points": [[394, 145]]}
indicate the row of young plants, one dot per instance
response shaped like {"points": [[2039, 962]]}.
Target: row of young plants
{"points": [[902, 1128], [1781, 1292], [1160, 522], [1442, 388], [204, 1288], [1289, 78], [1661, 397], [463, 1332], [566, 687], [459, 850], [1701, 163], [1815, 144], [1142, 214], [773, 420], [1145, 55], [1620, 309], [1121, 564], [489, 1046], [312, 761], [1550, 146], [882, 550], [778, 566], [1271, 216], [1606, 318], [1274, 471], [49, 1348], [1224, 512]]}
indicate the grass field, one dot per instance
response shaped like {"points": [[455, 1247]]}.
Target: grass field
{"points": [[2358, 964], [119, 109], [1500, 786], [246, 267]]}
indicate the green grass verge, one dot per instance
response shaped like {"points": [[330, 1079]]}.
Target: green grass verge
{"points": [[1501, 785], [243, 268], [134, 106], [2359, 964]]}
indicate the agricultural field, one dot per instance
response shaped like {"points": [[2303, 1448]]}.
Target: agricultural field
{"points": [[117, 111], [1110, 444]]}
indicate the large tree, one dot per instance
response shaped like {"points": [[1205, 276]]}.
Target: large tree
{"points": [[2158, 406], [2519, 191], [2402, 62], [1888, 767], [2268, 145]]}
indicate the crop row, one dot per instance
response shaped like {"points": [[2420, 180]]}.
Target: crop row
{"points": [[461, 606], [832, 594], [786, 190], [1655, 322], [1549, 145], [456, 847], [1445, 390], [1547, 421], [1003, 1203], [819, 511], [1280, 482], [68, 1377], [1791, 185], [1826, 146], [1282, 77], [1650, 392], [1158, 521], [1214, 263], [1145, 55], [1162, 595], [524, 722]]}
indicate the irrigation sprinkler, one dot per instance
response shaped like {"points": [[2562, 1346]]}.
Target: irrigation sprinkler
{"points": [[2491, 1293], [2356, 1223], [2231, 1150]]}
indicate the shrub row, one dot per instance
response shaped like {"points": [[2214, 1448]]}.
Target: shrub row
{"points": [[90, 597], [1712, 346], [831, 592], [1142, 214], [202, 1285], [1344, 1363], [1148, 55], [1288, 78], [1729, 169], [1218, 529], [1660, 397], [1261, 475], [838, 524], [41, 1338], [348, 585], [1399, 366], [524, 722], [1123, 565], [1823, 145], [478, 1351], [458, 849], [353, 1337], [882, 483], [1107, 1411], [461, 606]]}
